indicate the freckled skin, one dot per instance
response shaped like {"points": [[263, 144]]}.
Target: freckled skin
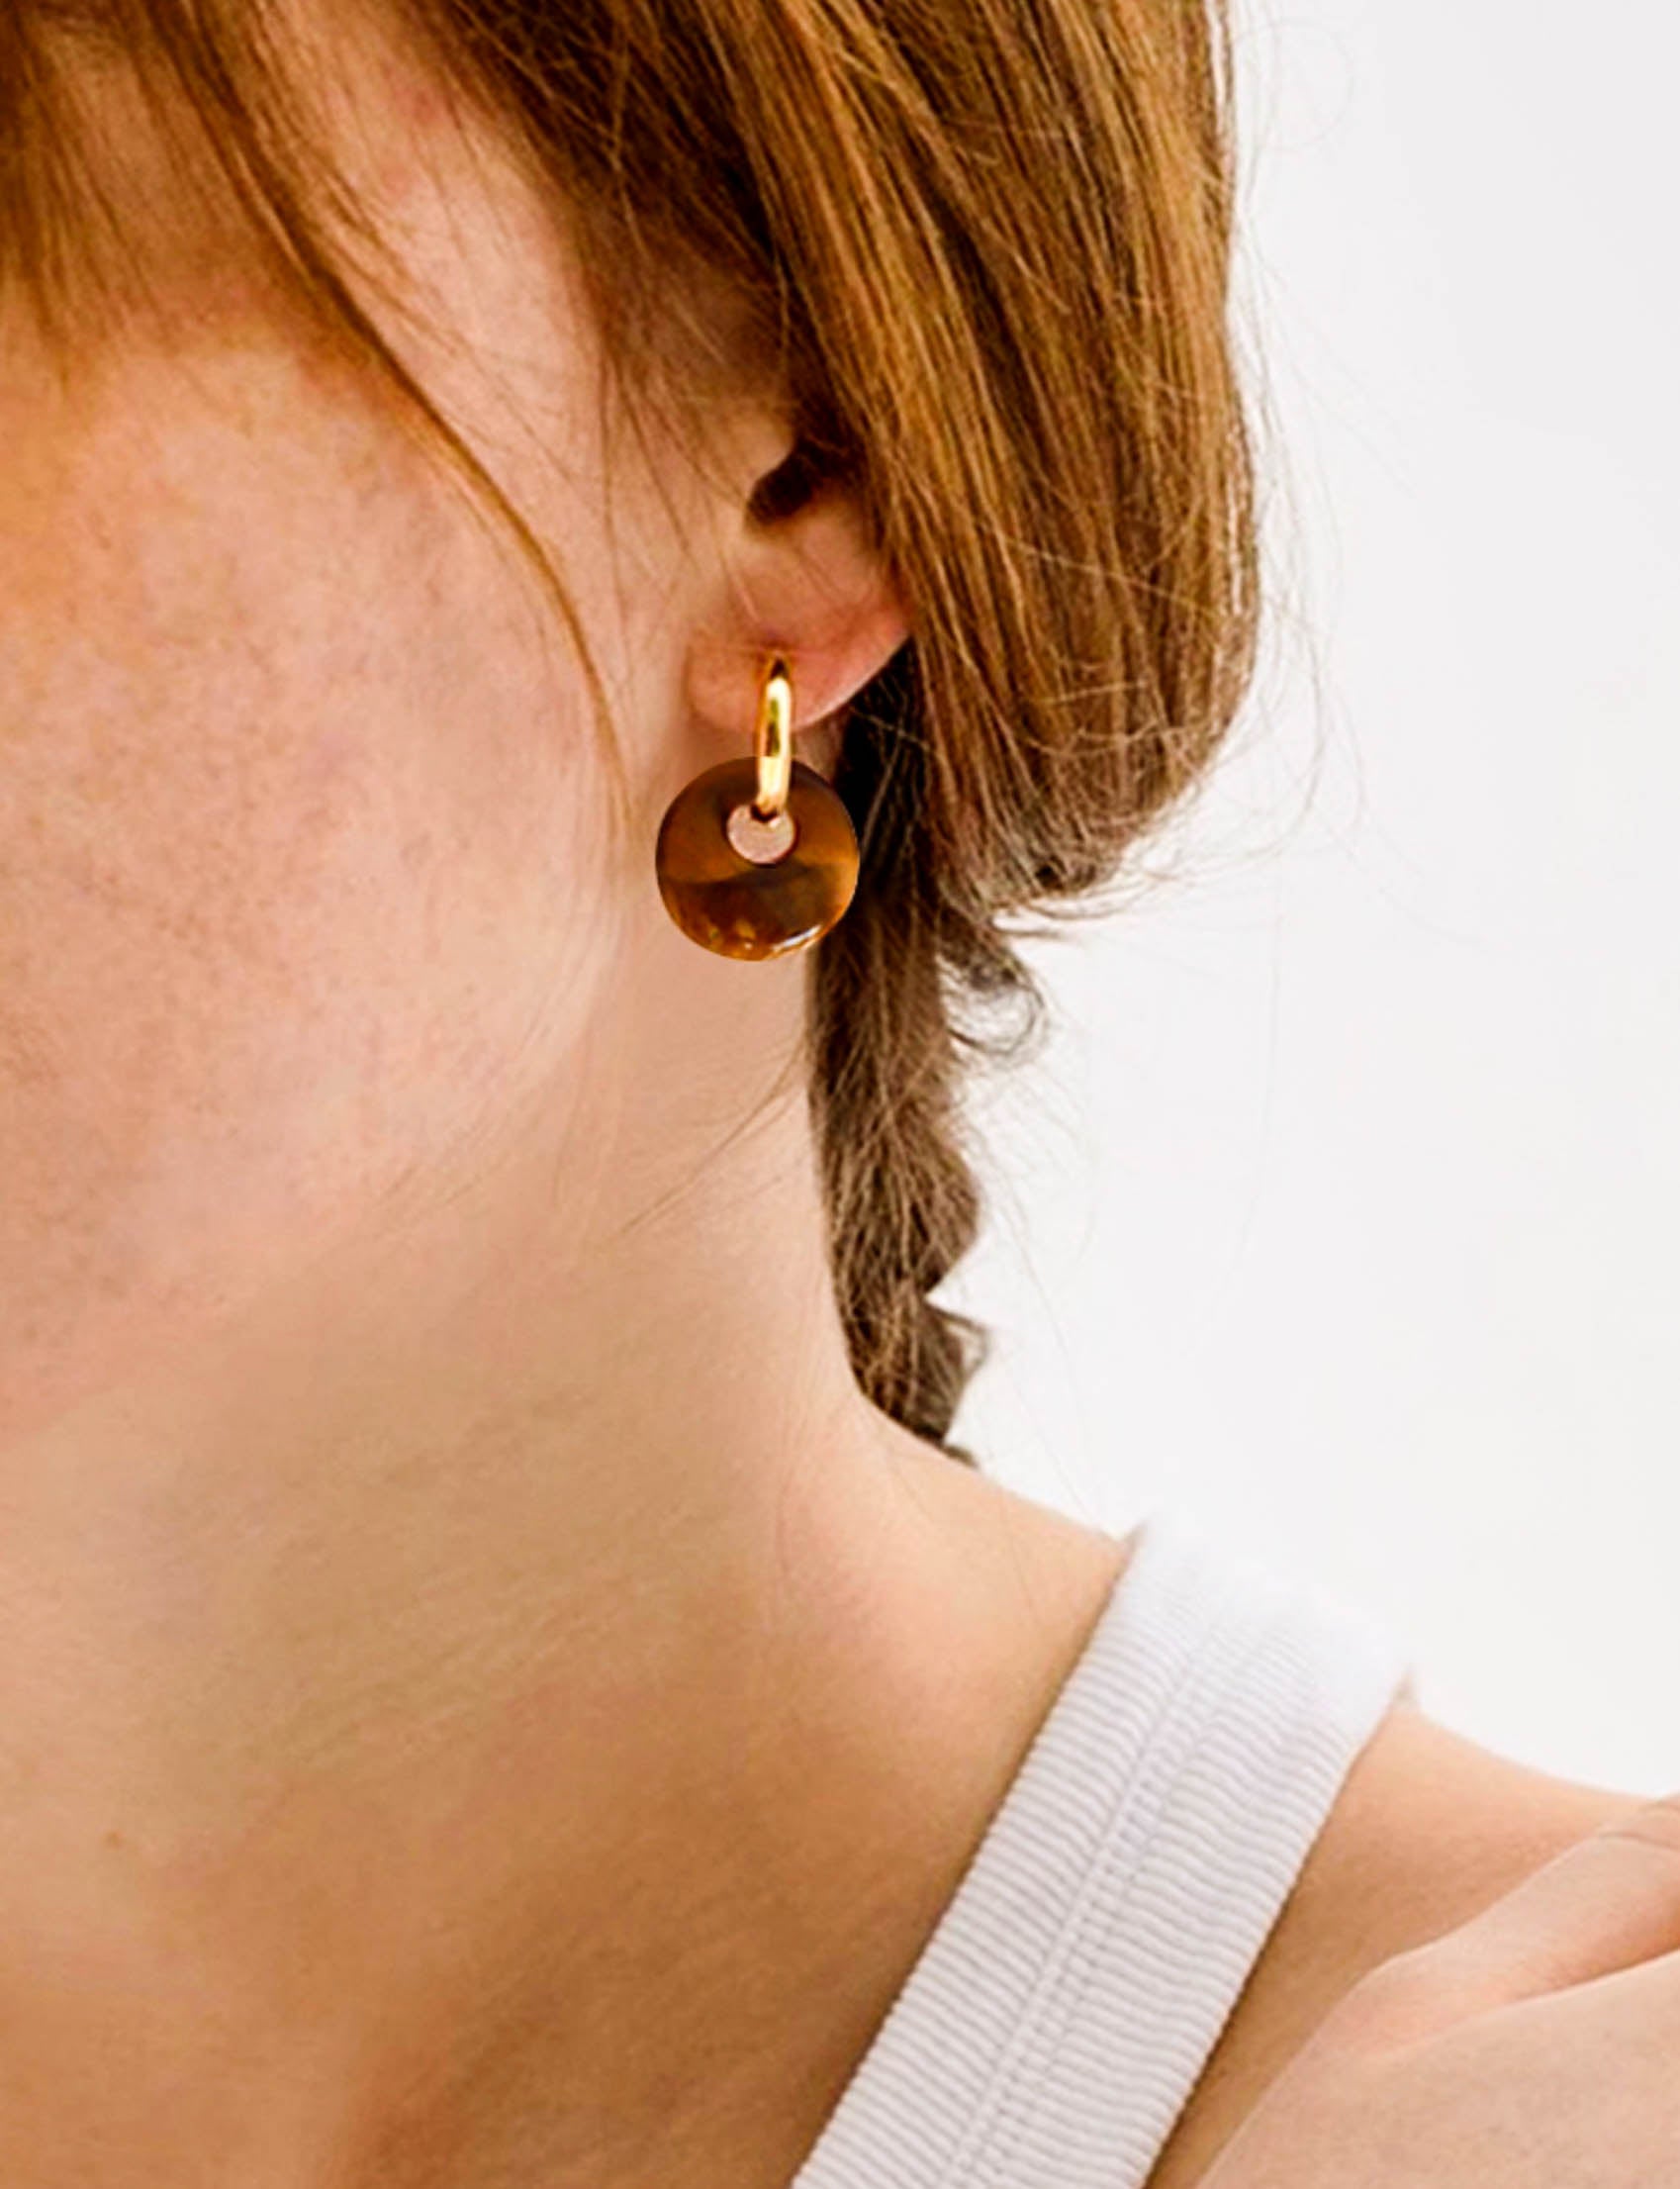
{"points": [[254, 780], [301, 822]]}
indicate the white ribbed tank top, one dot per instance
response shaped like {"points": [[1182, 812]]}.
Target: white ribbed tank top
{"points": [[1063, 2008]]}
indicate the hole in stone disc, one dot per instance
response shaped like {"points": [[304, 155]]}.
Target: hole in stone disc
{"points": [[761, 841]]}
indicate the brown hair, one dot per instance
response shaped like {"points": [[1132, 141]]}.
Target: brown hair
{"points": [[986, 244]]}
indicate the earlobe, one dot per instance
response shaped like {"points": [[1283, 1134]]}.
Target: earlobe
{"points": [[811, 584]]}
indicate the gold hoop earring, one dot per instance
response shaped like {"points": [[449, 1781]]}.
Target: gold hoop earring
{"points": [[758, 858]]}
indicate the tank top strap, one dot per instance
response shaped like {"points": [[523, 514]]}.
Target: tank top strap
{"points": [[1061, 2010]]}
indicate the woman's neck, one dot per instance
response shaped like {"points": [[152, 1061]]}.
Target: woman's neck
{"points": [[527, 1610]]}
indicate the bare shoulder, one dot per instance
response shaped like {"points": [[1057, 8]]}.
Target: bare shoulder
{"points": [[1428, 1828]]}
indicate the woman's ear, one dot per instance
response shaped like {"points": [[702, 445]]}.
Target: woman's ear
{"points": [[800, 576]]}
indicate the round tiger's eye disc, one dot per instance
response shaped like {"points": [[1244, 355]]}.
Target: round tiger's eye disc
{"points": [[746, 908]]}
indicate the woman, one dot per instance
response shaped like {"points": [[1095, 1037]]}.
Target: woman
{"points": [[506, 1676]]}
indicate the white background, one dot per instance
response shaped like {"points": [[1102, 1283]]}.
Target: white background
{"points": [[1343, 1208]]}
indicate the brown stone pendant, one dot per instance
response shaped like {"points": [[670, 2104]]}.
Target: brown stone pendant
{"points": [[751, 888]]}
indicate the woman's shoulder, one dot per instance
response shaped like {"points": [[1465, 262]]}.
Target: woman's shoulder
{"points": [[1429, 1827]]}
